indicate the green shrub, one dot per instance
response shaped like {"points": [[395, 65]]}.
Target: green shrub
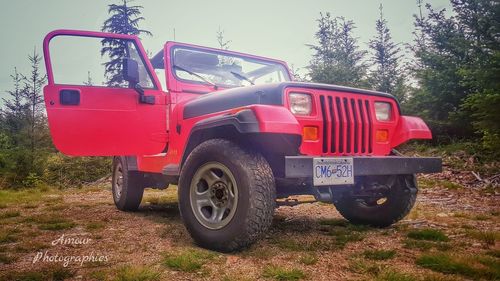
{"points": [[66, 171]]}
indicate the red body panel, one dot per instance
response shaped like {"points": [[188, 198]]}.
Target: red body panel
{"points": [[98, 127], [106, 121], [408, 128], [349, 119]]}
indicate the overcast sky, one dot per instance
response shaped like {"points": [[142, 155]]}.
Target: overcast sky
{"points": [[278, 29]]}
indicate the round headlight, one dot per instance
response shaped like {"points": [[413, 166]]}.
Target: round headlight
{"points": [[300, 104]]}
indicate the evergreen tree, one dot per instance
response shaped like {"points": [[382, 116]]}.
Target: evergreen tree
{"points": [[25, 139], [387, 73], [13, 121], [124, 19], [337, 58], [457, 68], [33, 95], [15, 107], [223, 43], [89, 80]]}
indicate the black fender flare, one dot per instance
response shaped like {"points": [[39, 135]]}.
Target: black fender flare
{"points": [[243, 128]]}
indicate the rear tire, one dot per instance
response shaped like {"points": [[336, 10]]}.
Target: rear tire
{"points": [[398, 203], [243, 185], [127, 186]]}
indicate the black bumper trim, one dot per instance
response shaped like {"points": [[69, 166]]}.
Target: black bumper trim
{"points": [[302, 166]]}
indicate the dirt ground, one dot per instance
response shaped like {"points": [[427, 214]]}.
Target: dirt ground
{"points": [[455, 228]]}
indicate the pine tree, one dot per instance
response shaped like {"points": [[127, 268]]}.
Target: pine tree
{"points": [[89, 80], [387, 73], [337, 58], [25, 139], [15, 107], [32, 92], [223, 43], [457, 62], [124, 19]]}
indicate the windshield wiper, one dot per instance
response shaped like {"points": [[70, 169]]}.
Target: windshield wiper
{"points": [[242, 77], [197, 75]]}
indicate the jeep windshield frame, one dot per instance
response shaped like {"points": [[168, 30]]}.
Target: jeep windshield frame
{"points": [[222, 68]]}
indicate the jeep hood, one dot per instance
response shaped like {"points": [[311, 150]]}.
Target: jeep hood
{"points": [[268, 94]]}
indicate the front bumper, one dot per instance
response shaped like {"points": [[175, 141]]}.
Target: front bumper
{"points": [[302, 166]]}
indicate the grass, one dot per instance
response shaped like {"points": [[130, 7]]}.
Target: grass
{"points": [[154, 197], [379, 255], [29, 246], [482, 217], [424, 183], [56, 207], [487, 237], [128, 273], [283, 274], [428, 234], [345, 235], [360, 266], [425, 245], [189, 260], [494, 253], [8, 236], [99, 275], [449, 184], [291, 244], [95, 225], [9, 214], [30, 206], [258, 252], [474, 268], [6, 259], [308, 259], [54, 274], [334, 222], [18, 197], [340, 230], [432, 183], [391, 275], [53, 223]]}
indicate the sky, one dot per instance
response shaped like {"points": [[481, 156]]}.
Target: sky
{"points": [[278, 29]]}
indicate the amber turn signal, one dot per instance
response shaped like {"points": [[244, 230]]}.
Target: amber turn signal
{"points": [[310, 133], [382, 135]]}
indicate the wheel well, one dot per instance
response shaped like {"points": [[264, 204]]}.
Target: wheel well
{"points": [[272, 146]]}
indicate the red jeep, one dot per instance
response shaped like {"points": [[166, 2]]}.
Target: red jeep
{"points": [[232, 131]]}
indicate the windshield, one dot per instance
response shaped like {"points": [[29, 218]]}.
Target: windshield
{"points": [[225, 70]]}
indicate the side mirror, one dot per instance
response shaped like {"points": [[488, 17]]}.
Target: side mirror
{"points": [[130, 71]]}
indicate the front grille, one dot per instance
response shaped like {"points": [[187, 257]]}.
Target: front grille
{"points": [[347, 125]]}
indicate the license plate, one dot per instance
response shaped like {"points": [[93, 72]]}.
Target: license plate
{"points": [[333, 171]]}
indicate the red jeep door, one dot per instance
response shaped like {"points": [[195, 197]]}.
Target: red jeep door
{"points": [[92, 110]]}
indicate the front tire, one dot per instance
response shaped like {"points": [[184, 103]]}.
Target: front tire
{"points": [[396, 204], [127, 186], [226, 195]]}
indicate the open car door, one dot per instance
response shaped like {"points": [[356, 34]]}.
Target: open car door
{"points": [[103, 97]]}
